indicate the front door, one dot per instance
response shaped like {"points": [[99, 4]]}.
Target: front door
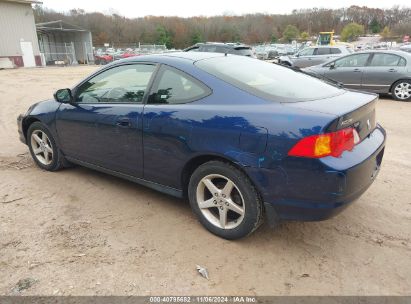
{"points": [[304, 58], [28, 55], [348, 70], [103, 126]]}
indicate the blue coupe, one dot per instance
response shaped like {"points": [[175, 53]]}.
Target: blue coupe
{"points": [[242, 139]]}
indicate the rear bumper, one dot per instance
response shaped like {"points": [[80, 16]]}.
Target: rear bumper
{"points": [[20, 129], [314, 190]]}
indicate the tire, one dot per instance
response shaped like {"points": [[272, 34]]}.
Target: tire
{"points": [[41, 146], [401, 90], [243, 198]]}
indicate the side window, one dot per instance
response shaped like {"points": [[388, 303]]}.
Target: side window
{"points": [[208, 48], [357, 60], [307, 52], [381, 59], [123, 84], [323, 51], [402, 62], [335, 51], [173, 86], [220, 49]]}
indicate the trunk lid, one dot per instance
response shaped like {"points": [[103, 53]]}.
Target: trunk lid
{"points": [[352, 109]]}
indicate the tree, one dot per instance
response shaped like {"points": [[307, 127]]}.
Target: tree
{"points": [[164, 36], [352, 31], [386, 33], [375, 26], [196, 38], [251, 28], [305, 36], [291, 32]]}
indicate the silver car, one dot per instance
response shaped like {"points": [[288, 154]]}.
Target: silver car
{"points": [[374, 71], [314, 55]]}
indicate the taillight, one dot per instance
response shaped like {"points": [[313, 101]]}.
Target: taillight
{"points": [[328, 144]]}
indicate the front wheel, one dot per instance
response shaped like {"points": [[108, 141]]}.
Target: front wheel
{"points": [[224, 200], [43, 148], [401, 90]]}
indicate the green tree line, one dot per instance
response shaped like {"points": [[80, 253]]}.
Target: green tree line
{"points": [[253, 28]]}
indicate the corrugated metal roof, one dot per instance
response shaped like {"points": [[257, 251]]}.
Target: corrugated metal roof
{"points": [[24, 1], [59, 25]]}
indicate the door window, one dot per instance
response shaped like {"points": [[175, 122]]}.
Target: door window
{"points": [[173, 86], [357, 60], [385, 60], [208, 48], [335, 51], [323, 51], [307, 52], [123, 84]]}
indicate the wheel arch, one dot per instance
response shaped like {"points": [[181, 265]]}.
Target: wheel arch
{"points": [[198, 160], [27, 122], [401, 79]]}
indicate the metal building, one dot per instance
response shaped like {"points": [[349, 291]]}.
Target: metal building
{"points": [[18, 38], [60, 41]]}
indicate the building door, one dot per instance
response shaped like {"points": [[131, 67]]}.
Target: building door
{"points": [[27, 51]]}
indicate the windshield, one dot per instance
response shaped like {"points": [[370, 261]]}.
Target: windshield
{"points": [[267, 80]]}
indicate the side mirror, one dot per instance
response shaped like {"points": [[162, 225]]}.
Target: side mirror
{"points": [[332, 65], [63, 96]]}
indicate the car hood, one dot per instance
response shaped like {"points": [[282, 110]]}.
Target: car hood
{"points": [[316, 69]]}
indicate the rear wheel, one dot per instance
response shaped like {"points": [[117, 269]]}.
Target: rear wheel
{"points": [[43, 148], [401, 90], [224, 200]]}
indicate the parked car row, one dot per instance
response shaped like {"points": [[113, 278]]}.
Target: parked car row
{"points": [[386, 71], [273, 51], [225, 48], [110, 54], [314, 55]]}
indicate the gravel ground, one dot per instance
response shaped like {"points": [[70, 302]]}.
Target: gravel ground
{"points": [[80, 232]]}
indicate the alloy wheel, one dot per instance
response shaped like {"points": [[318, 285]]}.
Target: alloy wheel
{"points": [[220, 201], [42, 148], [403, 90]]}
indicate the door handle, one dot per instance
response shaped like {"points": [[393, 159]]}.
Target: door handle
{"points": [[356, 70], [124, 123], [392, 70]]}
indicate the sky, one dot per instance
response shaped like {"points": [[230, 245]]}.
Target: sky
{"points": [[189, 8]]}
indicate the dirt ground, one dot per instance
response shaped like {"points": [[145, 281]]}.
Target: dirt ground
{"points": [[80, 232]]}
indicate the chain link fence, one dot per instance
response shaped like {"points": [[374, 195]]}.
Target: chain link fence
{"points": [[55, 53]]}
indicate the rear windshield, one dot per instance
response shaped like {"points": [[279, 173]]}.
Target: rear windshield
{"points": [[267, 80]]}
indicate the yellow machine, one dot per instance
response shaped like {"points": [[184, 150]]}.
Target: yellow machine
{"points": [[326, 38]]}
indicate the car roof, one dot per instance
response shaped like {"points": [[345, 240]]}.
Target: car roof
{"points": [[396, 52], [233, 45], [191, 56], [327, 46]]}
